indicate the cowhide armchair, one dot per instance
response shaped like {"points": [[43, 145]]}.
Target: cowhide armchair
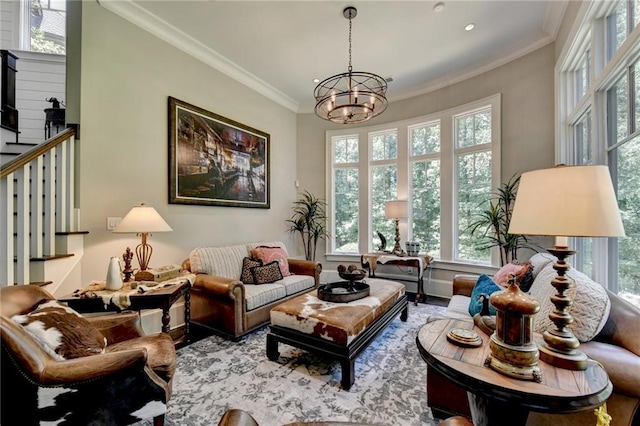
{"points": [[61, 367]]}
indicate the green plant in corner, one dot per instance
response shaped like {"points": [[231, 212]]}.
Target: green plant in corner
{"points": [[492, 224], [309, 219]]}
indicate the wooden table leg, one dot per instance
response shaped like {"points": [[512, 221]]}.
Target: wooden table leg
{"points": [[166, 318], [187, 313], [348, 367], [489, 412], [272, 348]]}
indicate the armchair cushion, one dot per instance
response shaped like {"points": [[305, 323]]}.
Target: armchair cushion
{"points": [[248, 263], [266, 274], [268, 254], [62, 332]]}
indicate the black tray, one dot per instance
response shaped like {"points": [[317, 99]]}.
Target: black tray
{"points": [[343, 291]]}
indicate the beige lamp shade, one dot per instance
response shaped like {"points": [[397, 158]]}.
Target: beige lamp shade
{"points": [[569, 201], [142, 219], [395, 209]]}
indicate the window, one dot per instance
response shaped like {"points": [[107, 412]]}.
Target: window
{"points": [[602, 126], [454, 152], [43, 26]]}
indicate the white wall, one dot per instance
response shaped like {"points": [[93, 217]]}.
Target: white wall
{"points": [[127, 75]]}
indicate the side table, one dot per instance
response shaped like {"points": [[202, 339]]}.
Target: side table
{"points": [[422, 263], [94, 298], [499, 400]]}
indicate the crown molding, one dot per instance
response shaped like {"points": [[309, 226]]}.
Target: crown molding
{"points": [[554, 16], [179, 39]]}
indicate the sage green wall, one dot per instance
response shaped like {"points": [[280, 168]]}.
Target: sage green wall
{"points": [[127, 75], [527, 88]]}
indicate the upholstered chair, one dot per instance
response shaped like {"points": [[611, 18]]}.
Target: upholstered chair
{"points": [[63, 368]]}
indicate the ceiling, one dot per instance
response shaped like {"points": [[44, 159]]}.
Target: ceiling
{"points": [[279, 47]]}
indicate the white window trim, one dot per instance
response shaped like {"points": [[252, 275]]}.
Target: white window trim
{"points": [[447, 159]]}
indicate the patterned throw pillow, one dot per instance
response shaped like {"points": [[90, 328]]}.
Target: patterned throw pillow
{"points": [[266, 274], [62, 332], [269, 254], [248, 263], [522, 271]]}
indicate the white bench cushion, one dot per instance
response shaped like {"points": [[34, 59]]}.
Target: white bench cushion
{"points": [[263, 294]]}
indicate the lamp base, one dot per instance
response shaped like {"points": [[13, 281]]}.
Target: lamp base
{"points": [[577, 360]]}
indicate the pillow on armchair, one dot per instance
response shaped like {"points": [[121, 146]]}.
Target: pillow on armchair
{"points": [[484, 285]]}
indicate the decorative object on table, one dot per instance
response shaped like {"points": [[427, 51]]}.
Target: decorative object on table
{"points": [[216, 161], [163, 273], [483, 319], [309, 219], [383, 242], [464, 337], [351, 97], [114, 277], [565, 201], [142, 220], [345, 291], [128, 270], [396, 210], [513, 351], [492, 224], [413, 248]]}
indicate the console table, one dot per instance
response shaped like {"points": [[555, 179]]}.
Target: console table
{"points": [[422, 263], [94, 298], [499, 400]]}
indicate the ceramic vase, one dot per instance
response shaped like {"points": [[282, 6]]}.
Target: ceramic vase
{"points": [[114, 276]]}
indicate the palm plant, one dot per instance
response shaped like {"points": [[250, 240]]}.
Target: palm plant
{"points": [[309, 219], [492, 224]]}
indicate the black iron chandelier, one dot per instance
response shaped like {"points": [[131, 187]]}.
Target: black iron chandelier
{"points": [[351, 97]]}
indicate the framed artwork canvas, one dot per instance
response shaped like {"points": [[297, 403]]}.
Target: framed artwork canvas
{"points": [[216, 161]]}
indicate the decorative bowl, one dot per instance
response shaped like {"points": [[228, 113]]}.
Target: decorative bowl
{"points": [[355, 275]]}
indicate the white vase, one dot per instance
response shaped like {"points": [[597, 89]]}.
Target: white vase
{"points": [[114, 276]]}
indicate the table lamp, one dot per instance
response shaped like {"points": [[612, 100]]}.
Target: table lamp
{"points": [[396, 210], [565, 201], [143, 220]]}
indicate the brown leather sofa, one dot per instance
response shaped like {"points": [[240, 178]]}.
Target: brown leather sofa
{"points": [[616, 347], [129, 381], [219, 303]]}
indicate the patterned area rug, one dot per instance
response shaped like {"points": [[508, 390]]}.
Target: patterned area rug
{"points": [[215, 375]]}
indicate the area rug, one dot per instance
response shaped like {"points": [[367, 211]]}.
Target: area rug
{"points": [[214, 375]]}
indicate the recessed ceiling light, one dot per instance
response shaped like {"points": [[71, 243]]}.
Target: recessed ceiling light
{"points": [[438, 7], [316, 80], [469, 27]]}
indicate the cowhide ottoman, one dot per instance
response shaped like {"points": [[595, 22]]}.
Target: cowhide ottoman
{"points": [[337, 330]]}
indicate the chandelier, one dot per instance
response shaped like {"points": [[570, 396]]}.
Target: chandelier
{"points": [[351, 97]]}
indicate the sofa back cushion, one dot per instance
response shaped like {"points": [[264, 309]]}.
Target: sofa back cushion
{"points": [[591, 304], [221, 261]]}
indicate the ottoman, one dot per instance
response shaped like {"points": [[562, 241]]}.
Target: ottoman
{"points": [[337, 330]]}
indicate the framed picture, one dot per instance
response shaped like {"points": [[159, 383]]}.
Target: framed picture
{"points": [[216, 161]]}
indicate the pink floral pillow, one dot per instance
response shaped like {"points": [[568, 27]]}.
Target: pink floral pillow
{"points": [[522, 272], [269, 254]]}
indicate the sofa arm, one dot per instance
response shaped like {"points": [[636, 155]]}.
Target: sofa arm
{"points": [[226, 288], [306, 267], [622, 366], [623, 325], [463, 284]]}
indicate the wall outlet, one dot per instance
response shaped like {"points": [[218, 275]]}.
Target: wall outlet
{"points": [[112, 222]]}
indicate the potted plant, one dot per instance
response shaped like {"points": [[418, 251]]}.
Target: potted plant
{"points": [[492, 225], [309, 219]]}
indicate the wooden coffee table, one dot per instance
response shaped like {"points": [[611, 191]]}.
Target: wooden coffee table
{"points": [[499, 400], [337, 330]]}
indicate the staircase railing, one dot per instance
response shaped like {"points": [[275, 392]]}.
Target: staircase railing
{"points": [[37, 191]]}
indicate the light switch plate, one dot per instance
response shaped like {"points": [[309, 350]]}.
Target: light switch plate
{"points": [[112, 222]]}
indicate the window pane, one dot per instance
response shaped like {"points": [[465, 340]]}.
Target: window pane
{"points": [[617, 111], [384, 146], [425, 203], [628, 186], [48, 26], [636, 101], [636, 12], [345, 150], [384, 187], [616, 28], [473, 129], [425, 139], [582, 77], [346, 210], [583, 140], [474, 189]]}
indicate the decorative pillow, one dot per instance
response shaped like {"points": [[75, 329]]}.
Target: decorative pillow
{"points": [[269, 254], [248, 263], [485, 286], [268, 273], [62, 332], [590, 308], [522, 271]]}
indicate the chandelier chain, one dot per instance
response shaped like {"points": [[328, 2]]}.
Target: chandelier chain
{"points": [[350, 43]]}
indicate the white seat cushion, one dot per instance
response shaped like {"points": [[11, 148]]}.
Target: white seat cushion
{"points": [[296, 283], [263, 294]]}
